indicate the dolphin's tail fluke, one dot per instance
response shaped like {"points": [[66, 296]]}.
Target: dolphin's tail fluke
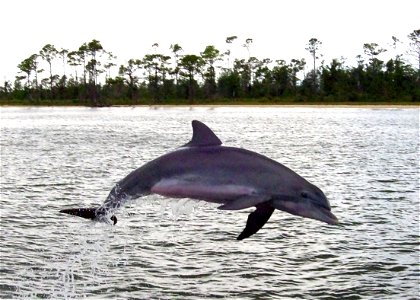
{"points": [[87, 213]]}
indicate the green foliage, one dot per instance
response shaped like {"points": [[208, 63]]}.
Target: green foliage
{"points": [[229, 85], [210, 56], [230, 39], [191, 65], [28, 66], [415, 47], [211, 75], [313, 47]]}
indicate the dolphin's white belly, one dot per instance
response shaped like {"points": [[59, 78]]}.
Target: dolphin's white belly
{"points": [[201, 190]]}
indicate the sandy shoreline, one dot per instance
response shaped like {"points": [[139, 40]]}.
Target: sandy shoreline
{"points": [[284, 105], [381, 106]]}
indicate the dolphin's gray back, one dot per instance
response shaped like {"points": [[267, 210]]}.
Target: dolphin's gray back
{"points": [[226, 165]]}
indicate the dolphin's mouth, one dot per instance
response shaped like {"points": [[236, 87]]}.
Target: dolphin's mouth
{"points": [[324, 214], [306, 209]]}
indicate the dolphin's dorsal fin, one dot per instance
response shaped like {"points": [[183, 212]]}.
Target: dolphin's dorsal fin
{"points": [[202, 136]]}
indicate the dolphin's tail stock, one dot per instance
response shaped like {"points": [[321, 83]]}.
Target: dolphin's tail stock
{"points": [[88, 213]]}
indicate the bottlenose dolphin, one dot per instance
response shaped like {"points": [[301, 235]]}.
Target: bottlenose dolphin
{"points": [[235, 178]]}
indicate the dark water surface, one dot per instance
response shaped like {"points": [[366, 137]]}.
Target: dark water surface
{"points": [[365, 160]]}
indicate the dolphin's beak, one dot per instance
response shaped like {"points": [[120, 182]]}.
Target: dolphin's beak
{"points": [[306, 209], [323, 214]]}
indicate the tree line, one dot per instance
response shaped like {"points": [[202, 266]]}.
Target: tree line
{"points": [[86, 76]]}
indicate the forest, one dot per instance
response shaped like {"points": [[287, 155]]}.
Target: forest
{"points": [[85, 77]]}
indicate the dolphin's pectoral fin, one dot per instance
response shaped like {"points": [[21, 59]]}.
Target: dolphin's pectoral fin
{"points": [[244, 202], [87, 213], [256, 220]]}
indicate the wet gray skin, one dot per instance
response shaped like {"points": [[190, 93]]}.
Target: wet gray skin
{"points": [[235, 178]]}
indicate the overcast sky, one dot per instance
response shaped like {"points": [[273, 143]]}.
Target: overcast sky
{"points": [[280, 29]]}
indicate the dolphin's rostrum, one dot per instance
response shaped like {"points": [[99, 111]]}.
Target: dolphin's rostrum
{"points": [[235, 178]]}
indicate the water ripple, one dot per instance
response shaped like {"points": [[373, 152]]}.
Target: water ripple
{"points": [[365, 160]]}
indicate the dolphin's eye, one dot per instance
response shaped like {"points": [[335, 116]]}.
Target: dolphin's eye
{"points": [[304, 194]]}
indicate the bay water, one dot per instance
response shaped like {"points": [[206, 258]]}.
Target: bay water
{"points": [[366, 160]]}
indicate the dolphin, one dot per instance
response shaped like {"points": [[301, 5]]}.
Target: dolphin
{"points": [[234, 178]]}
